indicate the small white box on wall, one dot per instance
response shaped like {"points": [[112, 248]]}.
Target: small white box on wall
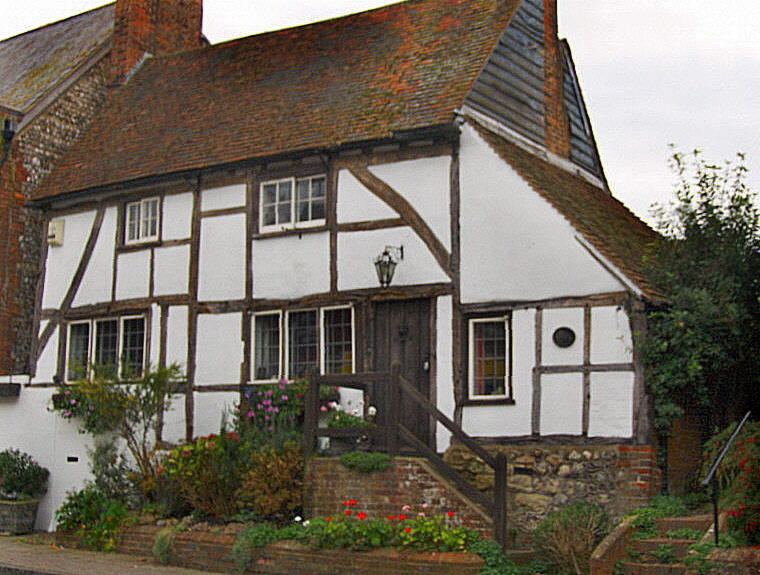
{"points": [[55, 232]]}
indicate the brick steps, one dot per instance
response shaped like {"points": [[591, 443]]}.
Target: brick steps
{"points": [[648, 546], [632, 568], [699, 522]]}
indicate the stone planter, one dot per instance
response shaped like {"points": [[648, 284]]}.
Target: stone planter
{"points": [[18, 517]]}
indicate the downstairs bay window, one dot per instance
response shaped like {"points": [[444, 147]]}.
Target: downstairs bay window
{"points": [[489, 350], [289, 344], [110, 346]]}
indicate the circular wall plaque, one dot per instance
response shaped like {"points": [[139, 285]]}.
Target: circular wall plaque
{"points": [[563, 337]]}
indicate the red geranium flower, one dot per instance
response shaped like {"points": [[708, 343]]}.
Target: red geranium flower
{"points": [[328, 519], [450, 514], [408, 529], [361, 515], [391, 517], [402, 516], [347, 512], [353, 502]]}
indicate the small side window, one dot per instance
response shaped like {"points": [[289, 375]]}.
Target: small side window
{"points": [[488, 358], [142, 221]]}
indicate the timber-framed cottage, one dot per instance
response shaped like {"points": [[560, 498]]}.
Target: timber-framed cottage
{"points": [[227, 205]]}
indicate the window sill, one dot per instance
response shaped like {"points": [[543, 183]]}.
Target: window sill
{"points": [[137, 246], [496, 401], [289, 232]]}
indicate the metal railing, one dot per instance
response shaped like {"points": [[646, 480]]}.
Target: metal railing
{"points": [[712, 473], [390, 433]]}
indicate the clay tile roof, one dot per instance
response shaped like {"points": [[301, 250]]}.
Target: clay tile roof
{"points": [[355, 78], [31, 64], [603, 220]]}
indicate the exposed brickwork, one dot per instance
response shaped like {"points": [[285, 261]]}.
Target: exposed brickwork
{"points": [[36, 149], [557, 122], [542, 478], [154, 27], [410, 481]]}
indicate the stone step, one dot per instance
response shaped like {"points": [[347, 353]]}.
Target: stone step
{"points": [[650, 546], [700, 522], [632, 568]]}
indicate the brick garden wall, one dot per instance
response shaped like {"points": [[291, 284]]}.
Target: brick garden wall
{"points": [[409, 481]]}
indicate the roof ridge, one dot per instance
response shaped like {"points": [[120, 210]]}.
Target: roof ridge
{"points": [[56, 23]]}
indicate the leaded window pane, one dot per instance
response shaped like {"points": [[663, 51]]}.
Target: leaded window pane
{"points": [[302, 343], [489, 353], [79, 350], [338, 338], [133, 347], [133, 221], [267, 352], [106, 353]]}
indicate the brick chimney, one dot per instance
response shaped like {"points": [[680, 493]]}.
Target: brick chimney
{"points": [[152, 27], [557, 122]]}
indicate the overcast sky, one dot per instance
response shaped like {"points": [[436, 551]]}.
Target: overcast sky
{"points": [[653, 72]]}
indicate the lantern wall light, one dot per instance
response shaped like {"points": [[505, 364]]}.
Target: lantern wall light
{"points": [[386, 262]]}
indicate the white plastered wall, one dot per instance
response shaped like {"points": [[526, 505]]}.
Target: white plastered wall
{"points": [[610, 335], [177, 216], [171, 270], [219, 351], [514, 244], [553, 319], [98, 277], [62, 261], [562, 404], [133, 275], [209, 409], [444, 379], [221, 269], [224, 197], [291, 266], [610, 408], [358, 250], [47, 364], [357, 204]]}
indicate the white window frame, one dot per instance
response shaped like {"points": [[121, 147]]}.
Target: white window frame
{"points": [[284, 356], [119, 341], [143, 211], [280, 316], [293, 223], [322, 341], [471, 357]]}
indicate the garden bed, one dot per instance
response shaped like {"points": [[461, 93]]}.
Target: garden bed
{"points": [[212, 552]]}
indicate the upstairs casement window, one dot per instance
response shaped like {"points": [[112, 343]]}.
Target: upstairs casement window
{"points": [[489, 358], [142, 221], [109, 346], [293, 343], [292, 203]]}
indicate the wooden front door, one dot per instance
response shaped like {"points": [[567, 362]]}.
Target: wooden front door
{"points": [[401, 332]]}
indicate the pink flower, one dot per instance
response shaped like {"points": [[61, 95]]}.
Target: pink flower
{"points": [[73, 402], [420, 514], [284, 397], [323, 408], [405, 508], [250, 414]]}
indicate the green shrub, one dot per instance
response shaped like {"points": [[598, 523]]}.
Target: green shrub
{"points": [[355, 532], [366, 461], [339, 418], [684, 533], [739, 479], [162, 546], [424, 533], [209, 471], [92, 515], [568, 537], [272, 489], [496, 562], [21, 477], [660, 506]]}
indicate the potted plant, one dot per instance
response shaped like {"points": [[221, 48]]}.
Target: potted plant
{"points": [[22, 480]]}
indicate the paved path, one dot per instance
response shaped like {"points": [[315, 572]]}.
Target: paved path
{"points": [[19, 558]]}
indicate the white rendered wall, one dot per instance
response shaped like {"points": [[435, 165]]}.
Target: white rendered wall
{"points": [[551, 353], [177, 216], [171, 270], [357, 204], [444, 379], [610, 335], [358, 250], [154, 349], [291, 266], [221, 272], [174, 420], [222, 198], [133, 275], [425, 184], [47, 365], [209, 408], [176, 336], [562, 404], [62, 261], [98, 277], [610, 410], [515, 245], [50, 440], [219, 351], [510, 420]]}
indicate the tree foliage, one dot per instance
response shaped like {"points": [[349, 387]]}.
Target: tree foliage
{"points": [[701, 345]]}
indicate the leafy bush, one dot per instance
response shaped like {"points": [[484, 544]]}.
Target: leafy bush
{"points": [[739, 478], [162, 546], [208, 471], [660, 506], [92, 515], [424, 533], [272, 487], [339, 418], [21, 477], [497, 563], [684, 533], [366, 461], [568, 537]]}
